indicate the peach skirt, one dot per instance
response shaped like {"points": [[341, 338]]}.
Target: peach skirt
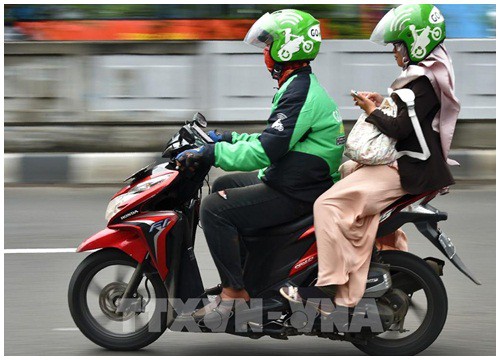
{"points": [[346, 220]]}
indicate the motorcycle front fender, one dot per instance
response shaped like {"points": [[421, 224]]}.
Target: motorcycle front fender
{"points": [[125, 240]]}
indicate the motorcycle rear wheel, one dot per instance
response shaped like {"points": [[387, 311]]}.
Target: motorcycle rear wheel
{"points": [[435, 317], [88, 323]]}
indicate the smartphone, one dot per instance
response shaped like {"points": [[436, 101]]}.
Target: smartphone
{"points": [[355, 94]]}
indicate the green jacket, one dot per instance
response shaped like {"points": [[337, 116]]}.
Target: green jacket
{"points": [[301, 149]]}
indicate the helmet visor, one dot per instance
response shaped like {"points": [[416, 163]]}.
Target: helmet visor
{"points": [[383, 27], [262, 32]]}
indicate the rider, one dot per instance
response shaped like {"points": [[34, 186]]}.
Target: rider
{"points": [[298, 153]]}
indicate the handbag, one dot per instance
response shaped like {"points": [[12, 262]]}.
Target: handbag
{"points": [[368, 146]]}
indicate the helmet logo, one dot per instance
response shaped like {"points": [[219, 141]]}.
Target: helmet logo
{"points": [[399, 20], [421, 39], [435, 16], [314, 33], [289, 18], [293, 44], [278, 125]]}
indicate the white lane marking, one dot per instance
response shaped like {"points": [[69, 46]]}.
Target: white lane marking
{"points": [[39, 251], [65, 329]]}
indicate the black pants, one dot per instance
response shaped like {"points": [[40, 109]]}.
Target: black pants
{"points": [[241, 201]]}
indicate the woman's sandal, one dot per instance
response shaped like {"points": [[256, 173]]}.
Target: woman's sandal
{"points": [[311, 295], [199, 314]]}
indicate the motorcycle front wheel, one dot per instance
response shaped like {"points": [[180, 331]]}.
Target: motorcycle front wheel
{"points": [[95, 292], [427, 312]]}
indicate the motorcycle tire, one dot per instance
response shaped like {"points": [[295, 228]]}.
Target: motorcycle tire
{"points": [[437, 308], [77, 298]]}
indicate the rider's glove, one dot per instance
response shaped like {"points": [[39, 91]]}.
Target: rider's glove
{"points": [[193, 158], [217, 136]]}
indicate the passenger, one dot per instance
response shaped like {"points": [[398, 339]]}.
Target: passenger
{"points": [[347, 215]]}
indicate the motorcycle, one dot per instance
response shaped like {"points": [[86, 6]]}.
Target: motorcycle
{"points": [[142, 277]]}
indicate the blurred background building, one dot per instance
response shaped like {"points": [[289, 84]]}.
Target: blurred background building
{"points": [[94, 91], [213, 22]]}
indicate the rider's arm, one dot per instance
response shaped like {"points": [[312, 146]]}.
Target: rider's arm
{"points": [[244, 137], [400, 127], [241, 156], [287, 125]]}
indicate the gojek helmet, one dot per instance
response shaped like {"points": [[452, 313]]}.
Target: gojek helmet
{"points": [[420, 27], [290, 34]]}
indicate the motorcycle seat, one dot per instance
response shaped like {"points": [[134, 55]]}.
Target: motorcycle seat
{"points": [[305, 222], [291, 227], [408, 199], [392, 218]]}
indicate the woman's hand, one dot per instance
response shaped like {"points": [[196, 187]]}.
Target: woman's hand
{"points": [[364, 103], [373, 96]]}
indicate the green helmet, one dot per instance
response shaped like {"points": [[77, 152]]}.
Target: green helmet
{"points": [[420, 27], [291, 34]]}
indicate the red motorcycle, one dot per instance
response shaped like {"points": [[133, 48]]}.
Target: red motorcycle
{"points": [[144, 278]]}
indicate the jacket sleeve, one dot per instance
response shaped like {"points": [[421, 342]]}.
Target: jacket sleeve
{"points": [[241, 156], [243, 137], [400, 127], [286, 127]]}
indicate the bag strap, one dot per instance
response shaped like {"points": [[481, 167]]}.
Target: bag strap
{"points": [[408, 96]]}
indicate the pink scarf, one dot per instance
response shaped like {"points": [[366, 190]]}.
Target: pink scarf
{"points": [[439, 70]]}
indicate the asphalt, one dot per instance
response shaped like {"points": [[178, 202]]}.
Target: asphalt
{"points": [[37, 319]]}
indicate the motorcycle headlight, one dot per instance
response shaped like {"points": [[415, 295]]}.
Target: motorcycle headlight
{"points": [[115, 205], [118, 202]]}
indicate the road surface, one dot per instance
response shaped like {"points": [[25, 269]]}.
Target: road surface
{"points": [[37, 319]]}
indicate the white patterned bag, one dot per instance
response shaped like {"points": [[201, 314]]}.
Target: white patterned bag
{"points": [[367, 145]]}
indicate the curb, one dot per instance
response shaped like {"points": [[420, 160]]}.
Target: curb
{"points": [[113, 168]]}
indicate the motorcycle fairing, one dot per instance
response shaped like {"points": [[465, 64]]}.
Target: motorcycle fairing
{"points": [[138, 236], [153, 228], [309, 258], [125, 240]]}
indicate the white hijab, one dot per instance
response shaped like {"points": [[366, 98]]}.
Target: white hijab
{"points": [[439, 70]]}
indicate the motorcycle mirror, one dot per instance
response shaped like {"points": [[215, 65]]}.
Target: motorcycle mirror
{"points": [[186, 135], [200, 120]]}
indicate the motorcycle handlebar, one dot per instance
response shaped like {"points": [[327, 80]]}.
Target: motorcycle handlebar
{"points": [[203, 135]]}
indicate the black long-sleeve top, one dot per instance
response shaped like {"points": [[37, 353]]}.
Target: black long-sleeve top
{"points": [[417, 176]]}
